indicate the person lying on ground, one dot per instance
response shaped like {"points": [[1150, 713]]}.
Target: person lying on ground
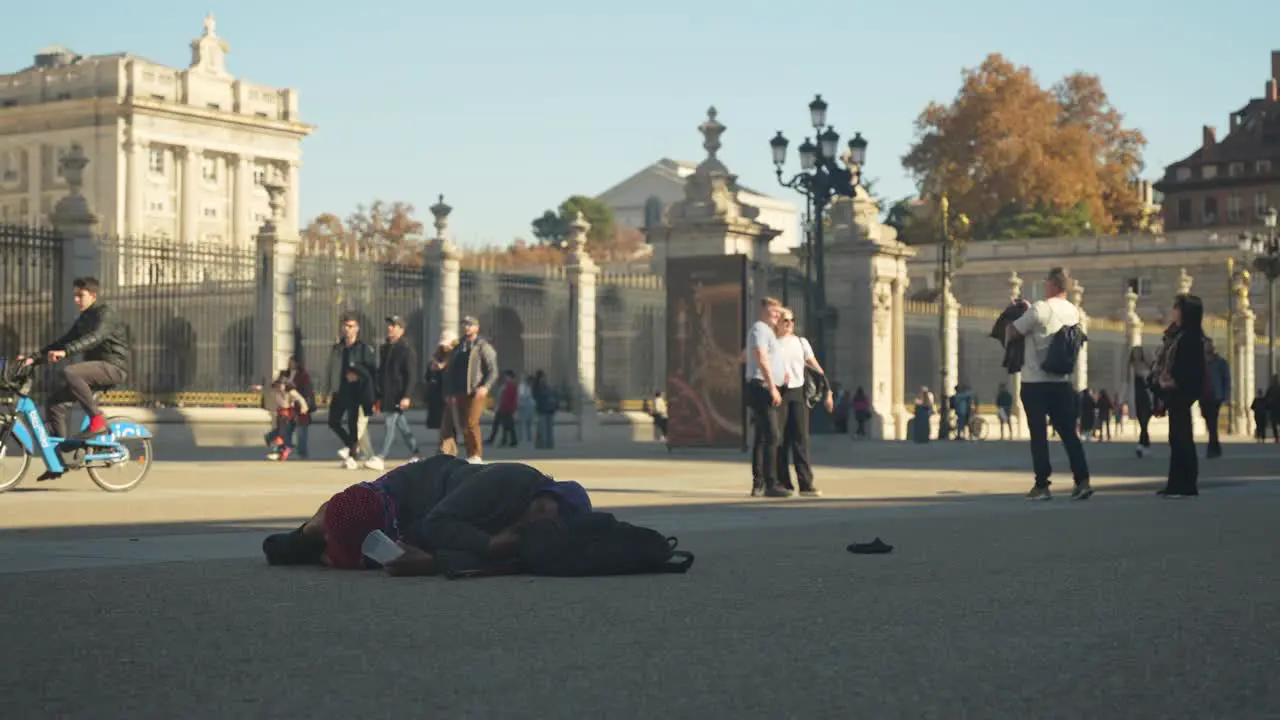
{"points": [[435, 508]]}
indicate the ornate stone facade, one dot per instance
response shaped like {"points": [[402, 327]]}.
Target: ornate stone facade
{"points": [[188, 156], [867, 288]]}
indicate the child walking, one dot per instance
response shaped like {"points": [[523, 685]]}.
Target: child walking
{"points": [[285, 404]]}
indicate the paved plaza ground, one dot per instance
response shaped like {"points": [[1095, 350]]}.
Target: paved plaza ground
{"points": [[156, 603]]}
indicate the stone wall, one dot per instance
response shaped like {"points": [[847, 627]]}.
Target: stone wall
{"points": [[1105, 266]]}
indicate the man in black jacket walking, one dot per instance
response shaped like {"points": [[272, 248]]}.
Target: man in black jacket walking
{"points": [[352, 376], [99, 334], [397, 378]]}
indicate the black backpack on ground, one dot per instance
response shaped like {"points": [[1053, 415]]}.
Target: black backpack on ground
{"points": [[1064, 348], [597, 543]]}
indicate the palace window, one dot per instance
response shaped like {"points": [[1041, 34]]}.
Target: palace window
{"points": [[156, 206], [211, 212], [10, 162], [1235, 169], [58, 155], [1140, 285], [1183, 173], [1233, 208], [1210, 210], [155, 161], [259, 176], [1263, 167], [1260, 204], [209, 169], [1184, 212], [1209, 172]]}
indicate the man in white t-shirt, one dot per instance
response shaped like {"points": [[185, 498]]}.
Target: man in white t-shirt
{"points": [[1046, 395], [794, 355], [763, 399]]}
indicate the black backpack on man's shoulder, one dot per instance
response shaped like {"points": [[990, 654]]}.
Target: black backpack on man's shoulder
{"points": [[597, 543], [1064, 348]]}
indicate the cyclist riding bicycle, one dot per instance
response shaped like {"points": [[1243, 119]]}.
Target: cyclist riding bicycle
{"points": [[101, 337]]}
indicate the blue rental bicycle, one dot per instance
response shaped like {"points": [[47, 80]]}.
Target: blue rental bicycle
{"points": [[117, 460]]}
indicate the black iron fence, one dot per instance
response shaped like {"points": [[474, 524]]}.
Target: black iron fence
{"points": [[331, 285], [630, 321], [190, 312], [527, 318], [30, 267]]}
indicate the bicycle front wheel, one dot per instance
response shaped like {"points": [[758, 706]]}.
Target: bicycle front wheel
{"points": [[126, 473], [980, 429], [14, 460]]}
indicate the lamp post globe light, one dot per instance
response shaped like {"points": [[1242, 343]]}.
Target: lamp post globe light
{"points": [[821, 179], [1262, 251]]}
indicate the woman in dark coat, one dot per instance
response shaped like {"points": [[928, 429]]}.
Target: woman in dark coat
{"points": [[1181, 379], [1105, 409], [434, 382]]}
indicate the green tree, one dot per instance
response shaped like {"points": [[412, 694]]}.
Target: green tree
{"points": [[549, 228], [552, 227]]}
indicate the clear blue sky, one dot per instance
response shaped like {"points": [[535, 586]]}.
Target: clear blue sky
{"points": [[508, 106]]}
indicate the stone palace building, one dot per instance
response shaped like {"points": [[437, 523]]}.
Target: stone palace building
{"points": [[174, 153]]}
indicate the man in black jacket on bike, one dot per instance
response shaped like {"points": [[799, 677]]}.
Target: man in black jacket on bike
{"points": [[100, 335]]}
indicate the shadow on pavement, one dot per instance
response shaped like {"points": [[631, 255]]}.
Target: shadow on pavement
{"points": [[719, 515]]}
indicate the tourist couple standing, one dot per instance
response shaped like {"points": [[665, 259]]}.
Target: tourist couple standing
{"points": [[776, 359]]}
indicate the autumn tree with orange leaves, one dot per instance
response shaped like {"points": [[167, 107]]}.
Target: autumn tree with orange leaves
{"points": [[1021, 160], [382, 231]]}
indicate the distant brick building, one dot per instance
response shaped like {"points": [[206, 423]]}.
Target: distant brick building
{"points": [[1232, 181]]}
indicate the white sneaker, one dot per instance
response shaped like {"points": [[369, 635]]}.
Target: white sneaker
{"points": [[476, 460], [374, 463], [273, 456], [344, 453], [350, 463]]}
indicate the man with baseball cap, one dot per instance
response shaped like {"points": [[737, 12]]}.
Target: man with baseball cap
{"points": [[469, 376], [397, 378]]}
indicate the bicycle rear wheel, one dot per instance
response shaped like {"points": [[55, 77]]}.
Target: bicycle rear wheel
{"points": [[128, 472], [14, 460]]}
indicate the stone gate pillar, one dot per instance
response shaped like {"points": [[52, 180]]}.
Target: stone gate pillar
{"points": [[76, 223], [869, 265], [583, 274], [1243, 357], [1019, 414], [277, 316], [712, 220], [1080, 376], [441, 275]]}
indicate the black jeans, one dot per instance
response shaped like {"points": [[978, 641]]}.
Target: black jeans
{"points": [[79, 382], [1060, 403], [794, 421], [344, 420], [1184, 466], [766, 435], [1209, 411], [1142, 401]]}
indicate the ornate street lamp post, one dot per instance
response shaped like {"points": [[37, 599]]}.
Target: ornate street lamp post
{"points": [[820, 180], [946, 268], [1262, 250]]}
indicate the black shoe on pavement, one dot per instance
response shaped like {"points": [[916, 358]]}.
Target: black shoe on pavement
{"points": [[1082, 491], [777, 492], [1040, 492], [48, 475]]}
